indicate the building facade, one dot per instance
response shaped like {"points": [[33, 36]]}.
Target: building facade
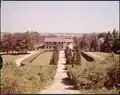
{"points": [[61, 42]]}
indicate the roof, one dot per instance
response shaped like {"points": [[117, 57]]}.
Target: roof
{"points": [[57, 39], [69, 40]]}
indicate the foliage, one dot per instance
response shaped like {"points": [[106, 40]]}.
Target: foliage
{"points": [[94, 44], [20, 42], [85, 44], [31, 58], [105, 42], [55, 56], [73, 56], [111, 42], [97, 76], [26, 80], [43, 59]]}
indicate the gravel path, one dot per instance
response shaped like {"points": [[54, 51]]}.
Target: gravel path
{"points": [[59, 86], [18, 61]]}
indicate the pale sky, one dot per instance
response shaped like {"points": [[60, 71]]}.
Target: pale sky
{"points": [[59, 16]]}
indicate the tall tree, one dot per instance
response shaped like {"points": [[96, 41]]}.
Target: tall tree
{"points": [[94, 42], [116, 41], [55, 56], [7, 42], [85, 44]]}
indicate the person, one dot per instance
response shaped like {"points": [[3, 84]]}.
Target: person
{"points": [[1, 62]]}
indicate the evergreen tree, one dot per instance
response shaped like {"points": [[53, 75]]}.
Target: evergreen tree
{"points": [[116, 41], [55, 56], [78, 55], [108, 42], [74, 59], [94, 46]]}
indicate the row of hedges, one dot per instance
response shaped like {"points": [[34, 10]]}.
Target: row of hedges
{"points": [[55, 56], [31, 58], [28, 79], [97, 77], [87, 57]]}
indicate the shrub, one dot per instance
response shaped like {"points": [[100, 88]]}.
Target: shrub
{"points": [[31, 58], [113, 75], [26, 80], [85, 79], [87, 57], [55, 56], [97, 76]]}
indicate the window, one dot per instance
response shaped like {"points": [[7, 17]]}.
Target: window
{"points": [[54, 43]]}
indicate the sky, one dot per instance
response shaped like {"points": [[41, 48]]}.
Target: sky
{"points": [[59, 16]]}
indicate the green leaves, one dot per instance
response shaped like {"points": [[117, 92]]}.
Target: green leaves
{"points": [[111, 42], [55, 56], [73, 56], [20, 42]]}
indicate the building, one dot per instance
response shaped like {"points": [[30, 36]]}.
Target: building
{"points": [[61, 42]]}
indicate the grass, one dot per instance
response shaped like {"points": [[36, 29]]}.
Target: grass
{"points": [[99, 91], [43, 59], [31, 58], [92, 77], [29, 79], [9, 58], [105, 55]]}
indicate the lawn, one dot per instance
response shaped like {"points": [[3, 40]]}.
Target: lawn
{"points": [[84, 76], [9, 58], [43, 59], [28, 79], [104, 55]]}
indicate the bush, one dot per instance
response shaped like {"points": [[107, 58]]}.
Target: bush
{"points": [[87, 57], [97, 76], [55, 56], [31, 58], [112, 72], [85, 79], [26, 80]]}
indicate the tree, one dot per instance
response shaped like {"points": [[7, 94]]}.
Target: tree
{"points": [[74, 59], [103, 34], [7, 42], [111, 42], [70, 57], [85, 44], [108, 42], [116, 41], [76, 41], [94, 43], [55, 56], [66, 52], [77, 55]]}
